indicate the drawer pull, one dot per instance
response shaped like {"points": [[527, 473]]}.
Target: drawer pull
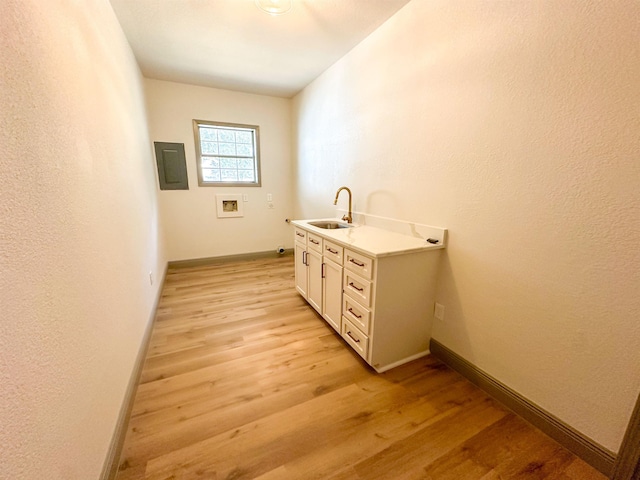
{"points": [[331, 250], [300, 234], [356, 263], [353, 286], [304, 258], [357, 340], [353, 313], [314, 241]]}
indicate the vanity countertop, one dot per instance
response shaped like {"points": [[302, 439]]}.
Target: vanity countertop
{"points": [[369, 240]]}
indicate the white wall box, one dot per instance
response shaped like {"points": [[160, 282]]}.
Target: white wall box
{"points": [[229, 205]]}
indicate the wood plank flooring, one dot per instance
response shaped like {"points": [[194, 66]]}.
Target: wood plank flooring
{"points": [[243, 380]]}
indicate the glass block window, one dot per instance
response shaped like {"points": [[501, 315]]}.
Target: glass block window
{"points": [[227, 154]]}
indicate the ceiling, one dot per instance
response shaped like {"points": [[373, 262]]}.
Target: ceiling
{"points": [[231, 44]]}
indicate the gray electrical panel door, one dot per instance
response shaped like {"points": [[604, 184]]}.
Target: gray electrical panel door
{"points": [[172, 166]]}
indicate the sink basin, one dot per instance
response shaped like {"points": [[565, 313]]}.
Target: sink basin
{"points": [[330, 225]]}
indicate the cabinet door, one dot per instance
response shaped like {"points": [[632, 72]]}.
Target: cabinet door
{"points": [[314, 242], [358, 263], [332, 294], [300, 236], [302, 282], [354, 337], [357, 288], [332, 251], [314, 292]]}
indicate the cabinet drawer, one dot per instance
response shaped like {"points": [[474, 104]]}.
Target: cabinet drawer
{"points": [[354, 337], [314, 242], [300, 236], [357, 288], [356, 314], [358, 263], [332, 251]]}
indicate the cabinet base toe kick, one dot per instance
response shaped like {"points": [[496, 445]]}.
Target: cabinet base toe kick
{"points": [[384, 368]]}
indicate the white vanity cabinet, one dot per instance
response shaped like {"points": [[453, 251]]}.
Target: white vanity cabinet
{"points": [[358, 287], [300, 254], [381, 304], [314, 271], [391, 314], [318, 276], [332, 284]]}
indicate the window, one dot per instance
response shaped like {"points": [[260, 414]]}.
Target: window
{"points": [[228, 154]]}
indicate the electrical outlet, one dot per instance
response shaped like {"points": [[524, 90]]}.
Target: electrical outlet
{"points": [[438, 312], [269, 197], [151, 278]]}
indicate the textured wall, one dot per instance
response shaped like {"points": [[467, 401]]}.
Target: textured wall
{"points": [[192, 228], [78, 234], [515, 125]]}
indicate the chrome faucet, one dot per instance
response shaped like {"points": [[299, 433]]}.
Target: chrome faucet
{"points": [[346, 217]]}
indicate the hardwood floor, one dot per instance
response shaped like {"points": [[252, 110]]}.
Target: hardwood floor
{"points": [[243, 380]]}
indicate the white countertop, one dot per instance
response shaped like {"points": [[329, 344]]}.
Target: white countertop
{"points": [[371, 241]]}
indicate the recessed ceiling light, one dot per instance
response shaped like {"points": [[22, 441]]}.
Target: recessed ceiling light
{"points": [[274, 7]]}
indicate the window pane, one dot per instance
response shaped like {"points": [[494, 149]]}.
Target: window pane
{"points": [[227, 148], [244, 137], [210, 162], [208, 134], [226, 136], [229, 175], [209, 148], [209, 175], [228, 163], [246, 163], [245, 149], [246, 175]]}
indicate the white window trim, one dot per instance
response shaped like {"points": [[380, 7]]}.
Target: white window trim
{"points": [[256, 130]]}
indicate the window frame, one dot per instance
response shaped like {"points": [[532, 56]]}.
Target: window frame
{"points": [[256, 153]]}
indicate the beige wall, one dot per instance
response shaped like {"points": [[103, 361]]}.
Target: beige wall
{"points": [[515, 125], [78, 234], [192, 228]]}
